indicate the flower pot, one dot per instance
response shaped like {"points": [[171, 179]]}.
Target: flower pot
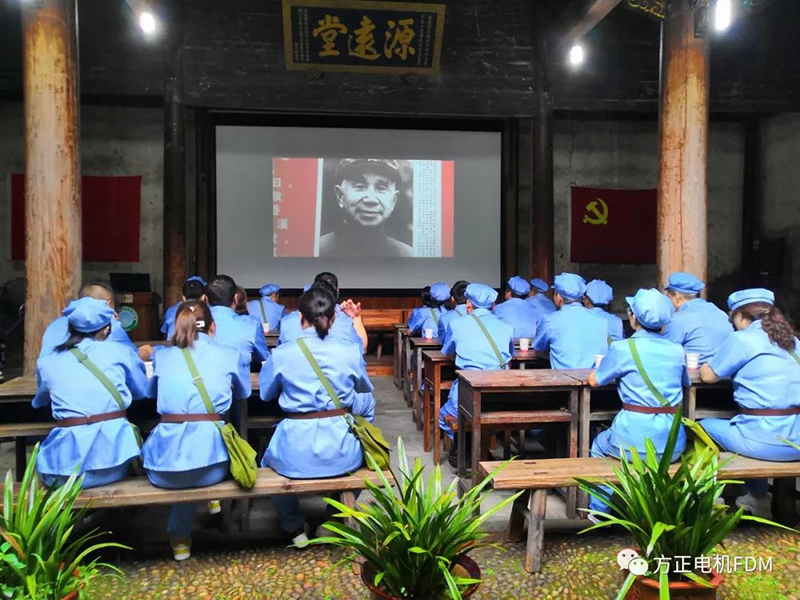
{"points": [[464, 567], [647, 589]]}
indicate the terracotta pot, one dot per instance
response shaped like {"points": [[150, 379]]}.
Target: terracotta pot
{"points": [[647, 589], [464, 567]]}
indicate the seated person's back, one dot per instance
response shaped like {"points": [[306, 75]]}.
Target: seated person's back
{"points": [[598, 296], [459, 302], [193, 288], [516, 311], [429, 318], [541, 303], [266, 308]]}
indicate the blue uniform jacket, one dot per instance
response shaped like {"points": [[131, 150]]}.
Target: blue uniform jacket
{"points": [[273, 311], [416, 316], [425, 320], [186, 446], [58, 332], [543, 305], [764, 376], [444, 321], [615, 329], [73, 391], [168, 326], [664, 363], [310, 448], [573, 335], [240, 332], [342, 328], [518, 313], [699, 326]]}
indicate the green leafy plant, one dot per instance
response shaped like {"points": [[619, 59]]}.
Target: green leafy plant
{"points": [[668, 514], [38, 557], [413, 537]]}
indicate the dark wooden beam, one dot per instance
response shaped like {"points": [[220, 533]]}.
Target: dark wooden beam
{"points": [[578, 19]]}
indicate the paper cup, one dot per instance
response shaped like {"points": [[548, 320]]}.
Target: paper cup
{"points": [[692, 360], [524, 344], [428, 333], [598, 358], [265, 327], [148, 368]]}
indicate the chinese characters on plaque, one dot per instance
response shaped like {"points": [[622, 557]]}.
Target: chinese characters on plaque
{"points": [[363, 36]]}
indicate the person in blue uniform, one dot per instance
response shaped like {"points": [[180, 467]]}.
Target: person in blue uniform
{"points": [[762, 357], [697, 325], [515, 311], [418, 313], [58, 331], [186, 448], [428, 318], [573, 334], [237, 331], [643, 415], [459, 303], [348, 325], [598, 296], [314, 440], [266, 308], [472, 349], [92, 434], [193, 288]]}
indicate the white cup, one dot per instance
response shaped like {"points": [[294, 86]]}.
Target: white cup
{"points": [[265, 327], [148, 368], [598, 358], [524, 344], [428, 333], [692, 360]]}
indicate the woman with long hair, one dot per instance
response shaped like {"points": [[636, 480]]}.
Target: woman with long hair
{"points": [[761, 357], [186, 448], [89, 384], [314, 440]]}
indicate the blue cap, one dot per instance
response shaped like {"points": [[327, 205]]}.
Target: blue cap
{"points": [[481, 296], [270, 288], [570, 285], [539, 284], [519, 286], [440, 292], [685, 283], [742, 297], [197, 278], [652, 308], [599, 292], [88, 314]]}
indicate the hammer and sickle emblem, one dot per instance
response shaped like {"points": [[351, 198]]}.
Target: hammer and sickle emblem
{"points": [[600, 214]]}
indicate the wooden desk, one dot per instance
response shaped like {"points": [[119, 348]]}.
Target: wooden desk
{"points": [[417, 345], [399, 377], [406, 335], [477, 390]]}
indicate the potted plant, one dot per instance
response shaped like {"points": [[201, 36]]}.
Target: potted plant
{"points": [[675, 518], [414, 542], [39, 559]]}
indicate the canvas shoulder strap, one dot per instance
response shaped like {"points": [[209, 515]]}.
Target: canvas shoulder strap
{"points": [[794, 356], [263, 312], [495, 349], [435, 316], [198, 382], [647, 381], [320, 375], [101, 377]]}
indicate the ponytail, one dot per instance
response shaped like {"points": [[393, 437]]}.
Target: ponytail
{"points": [[318, 307], [193, 317], [76, 337], [773, 322]]}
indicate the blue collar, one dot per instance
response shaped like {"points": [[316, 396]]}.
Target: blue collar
{"points": [[218, 308], [754, 325], [479, 312], [647, 334], [695, 301], [572, 305]]}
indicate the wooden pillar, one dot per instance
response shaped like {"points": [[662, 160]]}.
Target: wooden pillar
{"points": [[542, 249], [174, 177], [682, 187], [52, 166]]}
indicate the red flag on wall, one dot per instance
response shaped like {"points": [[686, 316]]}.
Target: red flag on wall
{"points": [[613, 226], [110, 217]]}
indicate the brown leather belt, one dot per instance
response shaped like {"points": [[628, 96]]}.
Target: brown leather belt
{"points": [[320, 414], [650, 410], [75, 421], [770, 412], [190, 418]]}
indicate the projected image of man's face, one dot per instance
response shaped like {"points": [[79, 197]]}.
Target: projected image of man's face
{"points": [[368, 198]]}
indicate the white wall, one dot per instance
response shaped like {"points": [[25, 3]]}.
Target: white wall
{"points": [[624, 154], [114, 141]]}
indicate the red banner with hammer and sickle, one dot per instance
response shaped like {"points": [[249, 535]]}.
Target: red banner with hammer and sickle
{"points": [[613, 226]]}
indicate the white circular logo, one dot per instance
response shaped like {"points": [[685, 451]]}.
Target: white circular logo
{"points": [[128, 318]]}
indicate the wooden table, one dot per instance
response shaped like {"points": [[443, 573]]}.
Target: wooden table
{"points": [[478, 390], [399, 369], [417, 345]]}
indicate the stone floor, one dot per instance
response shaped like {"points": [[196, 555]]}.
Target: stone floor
{"points": [[230, 564]]}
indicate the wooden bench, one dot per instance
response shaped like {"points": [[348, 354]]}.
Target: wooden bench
{"points": [[542, 475]]}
